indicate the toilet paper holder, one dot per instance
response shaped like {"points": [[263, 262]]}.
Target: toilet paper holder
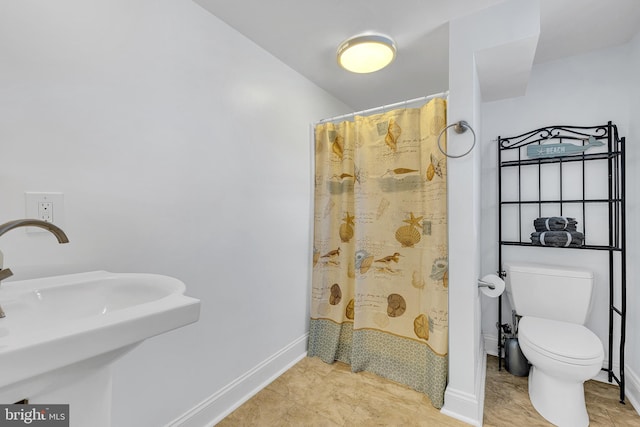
{"points": [[491, 285], [484, 284]]}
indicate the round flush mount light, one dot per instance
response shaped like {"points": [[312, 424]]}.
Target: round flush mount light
{"points": [[366, 53]]}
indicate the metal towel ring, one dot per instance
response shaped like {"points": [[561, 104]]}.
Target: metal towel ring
{"points": [[460, 127]]}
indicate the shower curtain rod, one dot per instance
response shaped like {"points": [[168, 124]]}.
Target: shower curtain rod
{"points": [[386, 107]]}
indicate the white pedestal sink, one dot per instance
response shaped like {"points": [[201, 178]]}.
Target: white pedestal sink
{"points": [[61, 334]]}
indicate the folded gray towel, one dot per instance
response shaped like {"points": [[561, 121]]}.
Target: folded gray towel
{"points": [[555, 223], [558, 238]]}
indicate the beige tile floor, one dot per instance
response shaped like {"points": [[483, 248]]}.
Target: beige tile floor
{"points": [[507, 402], [313, 393]]}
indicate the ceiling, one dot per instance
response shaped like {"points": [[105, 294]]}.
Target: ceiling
{"points": [[305, 35]]}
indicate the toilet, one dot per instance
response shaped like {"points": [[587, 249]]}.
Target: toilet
{"points": [[554, 303]]}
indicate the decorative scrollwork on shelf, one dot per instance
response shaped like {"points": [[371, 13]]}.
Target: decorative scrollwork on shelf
{"points": [[555, 132]]}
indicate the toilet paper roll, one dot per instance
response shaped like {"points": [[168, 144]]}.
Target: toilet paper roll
{"points": [[497, 282]]}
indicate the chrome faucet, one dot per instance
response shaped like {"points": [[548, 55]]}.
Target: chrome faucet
{"points": [[8, 226]]}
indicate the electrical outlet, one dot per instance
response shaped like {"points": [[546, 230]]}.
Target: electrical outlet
{"points": [[47, 207], [45, 211]]}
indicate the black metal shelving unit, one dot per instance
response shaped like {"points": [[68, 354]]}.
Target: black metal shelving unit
{"points": [[512, 155]]}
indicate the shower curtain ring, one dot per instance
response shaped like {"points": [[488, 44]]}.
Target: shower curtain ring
{"points": [[458, 127]]}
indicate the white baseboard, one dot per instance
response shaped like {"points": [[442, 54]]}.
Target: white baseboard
{"points": [[220, 404], [632, 388], [481, 383], [491, 344], [465, 406]]}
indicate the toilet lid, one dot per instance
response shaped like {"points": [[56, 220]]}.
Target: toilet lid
{"points": [[563, 341]]}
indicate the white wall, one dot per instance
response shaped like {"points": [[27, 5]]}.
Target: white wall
{"points": [[181, 148], [494, 29], [633, 228], [583, 90]]}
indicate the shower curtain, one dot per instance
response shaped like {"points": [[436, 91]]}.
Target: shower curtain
{"points": [[380, 277]]}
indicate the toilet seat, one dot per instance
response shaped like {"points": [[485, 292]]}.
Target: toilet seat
{"points": [[562, 341]]}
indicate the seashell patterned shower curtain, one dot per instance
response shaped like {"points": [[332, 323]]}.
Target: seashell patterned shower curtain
{"points": [[379, 283]]}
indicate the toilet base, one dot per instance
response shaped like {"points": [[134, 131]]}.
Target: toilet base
{"points": [[560, 402]]}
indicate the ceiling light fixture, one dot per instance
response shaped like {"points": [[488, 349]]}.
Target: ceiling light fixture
{"points": [[366, 53]]}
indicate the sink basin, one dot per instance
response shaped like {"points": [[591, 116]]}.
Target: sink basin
{"points": [[58, 327]]}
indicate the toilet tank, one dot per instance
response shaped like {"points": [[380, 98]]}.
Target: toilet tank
{"points": [[549, 292]]}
